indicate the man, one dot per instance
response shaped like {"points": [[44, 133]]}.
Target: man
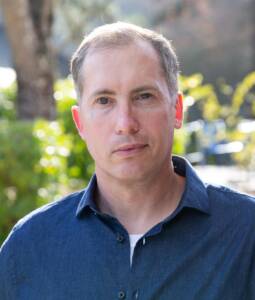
{"points": [[146, 227]]}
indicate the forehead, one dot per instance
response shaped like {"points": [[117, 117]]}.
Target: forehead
{"points": [[138, 51], [132, 64]]}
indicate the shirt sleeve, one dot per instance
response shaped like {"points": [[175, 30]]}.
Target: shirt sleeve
{"points": [[6, 270], [251, 283]]}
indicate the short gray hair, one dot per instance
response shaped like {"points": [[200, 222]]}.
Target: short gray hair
{"points": [[121, 34]]}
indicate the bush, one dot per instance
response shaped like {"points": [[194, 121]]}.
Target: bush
{"points": [[40, 161], [7, 102], [21, 178]]}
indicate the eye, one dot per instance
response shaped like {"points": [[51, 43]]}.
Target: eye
{"points": [[144, 96], [103, 100]]}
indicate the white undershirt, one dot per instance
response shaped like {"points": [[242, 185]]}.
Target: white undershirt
{"points": [[133, 238]]}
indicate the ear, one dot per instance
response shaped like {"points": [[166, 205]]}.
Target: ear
{"points": [[179, 111], [77, 120]]}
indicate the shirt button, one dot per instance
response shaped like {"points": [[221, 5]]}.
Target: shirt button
{"points": [[121, 295], [120, 238]]}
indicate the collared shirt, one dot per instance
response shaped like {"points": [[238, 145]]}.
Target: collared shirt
{"points": [[69, 250]]}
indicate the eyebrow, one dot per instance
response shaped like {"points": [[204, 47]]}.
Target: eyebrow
{"points": [[144, 88], [111, 93], [103, 91]]}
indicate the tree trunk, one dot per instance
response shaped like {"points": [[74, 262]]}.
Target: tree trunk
{"points": [[28, 25]]}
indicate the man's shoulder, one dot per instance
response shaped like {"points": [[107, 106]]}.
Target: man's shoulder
{"points": [[230, 196], [45, 218], [66, 205], [231, 203]]}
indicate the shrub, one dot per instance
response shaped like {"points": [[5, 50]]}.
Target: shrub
{"points": [[20, 178], [7, 102], [40, 161]]}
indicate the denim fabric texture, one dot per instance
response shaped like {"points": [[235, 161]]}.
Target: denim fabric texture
{"points": [[69, 250]]}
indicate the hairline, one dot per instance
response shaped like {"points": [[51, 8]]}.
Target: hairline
{"points": [[94, 41]]}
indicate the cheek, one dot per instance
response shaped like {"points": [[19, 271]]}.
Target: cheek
{"points": [[96, 136], [161, 129], [160, 122]]}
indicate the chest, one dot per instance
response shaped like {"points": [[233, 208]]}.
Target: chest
{"points": [[176, 263]]}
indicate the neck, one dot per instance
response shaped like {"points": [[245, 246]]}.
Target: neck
{"points": [[141, 204]]}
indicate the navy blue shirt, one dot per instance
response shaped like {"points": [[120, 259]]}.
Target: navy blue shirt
{"points": [[69, 250]]}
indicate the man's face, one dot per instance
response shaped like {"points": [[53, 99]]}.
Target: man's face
{"points": [[126, 115]]}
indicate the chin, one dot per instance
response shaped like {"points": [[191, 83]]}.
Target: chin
{"points": [[131, 174]]}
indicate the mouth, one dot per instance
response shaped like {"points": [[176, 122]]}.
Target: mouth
{"points": [[130, 149]]}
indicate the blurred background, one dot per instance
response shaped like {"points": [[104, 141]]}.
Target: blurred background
{"points": [[41, 156]]}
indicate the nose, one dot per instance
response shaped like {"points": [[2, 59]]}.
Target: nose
{"points": [[126, 121]]}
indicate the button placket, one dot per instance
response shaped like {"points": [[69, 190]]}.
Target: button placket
{"points": [[136, 294]]}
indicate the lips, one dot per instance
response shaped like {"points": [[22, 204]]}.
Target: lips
{"points": [[130, 148]]}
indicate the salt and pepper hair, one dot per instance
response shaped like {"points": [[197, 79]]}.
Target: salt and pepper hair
{"points": [[122, 34]]}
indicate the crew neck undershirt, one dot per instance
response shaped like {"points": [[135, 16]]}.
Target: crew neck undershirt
{"points": [[133, 238]]}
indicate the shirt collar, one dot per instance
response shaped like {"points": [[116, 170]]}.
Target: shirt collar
{"points": [[195, 194], [87, 199]]}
